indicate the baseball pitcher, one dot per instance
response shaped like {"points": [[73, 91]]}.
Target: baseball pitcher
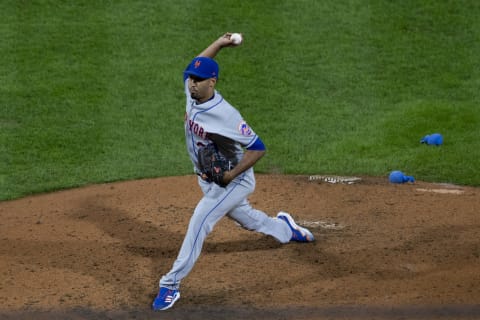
{"points": [[223, 148]]}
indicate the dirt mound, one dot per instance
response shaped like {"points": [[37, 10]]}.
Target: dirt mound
{"points": [[379, 247]]}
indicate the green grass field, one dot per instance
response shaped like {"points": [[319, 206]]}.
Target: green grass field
{"points": [[91, 91]]}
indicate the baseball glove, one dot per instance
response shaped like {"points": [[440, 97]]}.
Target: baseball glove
{"points": [[213, 164]]}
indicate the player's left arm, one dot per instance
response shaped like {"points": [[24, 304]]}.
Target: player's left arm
{"points": [[251, 155]]}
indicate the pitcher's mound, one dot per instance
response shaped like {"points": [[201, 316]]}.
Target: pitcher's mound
{"points": [[379, 247]]}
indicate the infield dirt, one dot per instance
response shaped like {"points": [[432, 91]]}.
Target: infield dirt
{"points": [[382, 251]]}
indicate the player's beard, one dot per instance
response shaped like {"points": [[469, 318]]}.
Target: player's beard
{"points": [[198, 96], [194, 95]]}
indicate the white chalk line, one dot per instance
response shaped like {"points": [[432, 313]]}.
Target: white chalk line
{"points": [[444, 191], [321, 224]]}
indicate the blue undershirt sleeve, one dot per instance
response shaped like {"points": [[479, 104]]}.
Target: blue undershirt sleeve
{"points": [[257, 145]]}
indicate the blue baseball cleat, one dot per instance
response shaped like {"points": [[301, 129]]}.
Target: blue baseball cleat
{"points": [[165, 299], [299, 234]]}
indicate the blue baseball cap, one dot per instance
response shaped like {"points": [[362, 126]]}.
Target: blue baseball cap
{"points": [[203, 67], [435, 139], [397, 176]]}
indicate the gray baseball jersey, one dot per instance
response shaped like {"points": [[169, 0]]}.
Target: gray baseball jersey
{"points": [[216, 120]]}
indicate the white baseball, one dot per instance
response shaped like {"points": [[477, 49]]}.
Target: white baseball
{"points": [[236, 38]]}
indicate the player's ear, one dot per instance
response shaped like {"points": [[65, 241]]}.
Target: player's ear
{"points": [[213, 81]]}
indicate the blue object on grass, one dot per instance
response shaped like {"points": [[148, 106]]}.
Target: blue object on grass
{"points": [[399, 177], [433, 139]]}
